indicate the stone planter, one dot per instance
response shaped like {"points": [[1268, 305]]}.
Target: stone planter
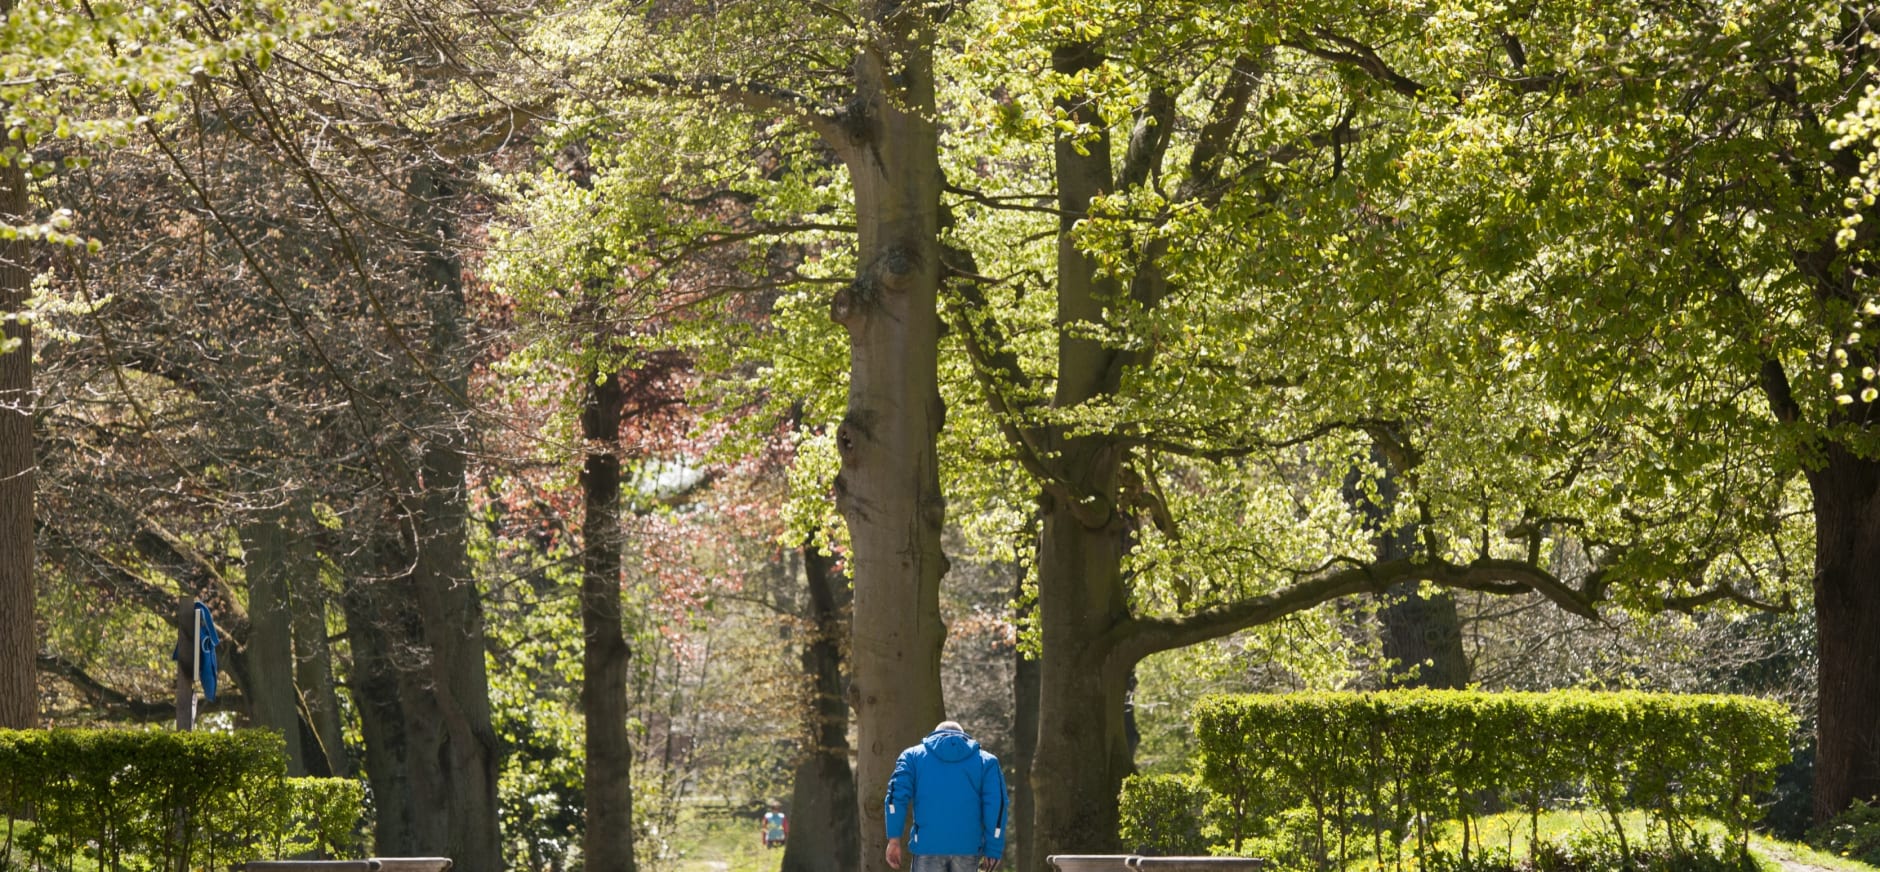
{"points": [[1090, 862], [1196, 864]]}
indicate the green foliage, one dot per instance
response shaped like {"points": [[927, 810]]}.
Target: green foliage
{"points": [[535, 678], [1598, 852], [99, 72], [1161, 814], [1853, 833], [1384, 768], [324, 817], [113, 797]]}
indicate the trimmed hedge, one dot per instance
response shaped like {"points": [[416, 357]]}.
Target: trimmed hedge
{"points": [[1334, 775], [1162, 814], [325, 817], [158, 800]]}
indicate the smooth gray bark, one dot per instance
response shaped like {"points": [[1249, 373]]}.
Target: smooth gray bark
{"points": [[371, 619], [824, 835], [889, 487], [272, 697], [450, 606], [324, 743], [607, 840]]}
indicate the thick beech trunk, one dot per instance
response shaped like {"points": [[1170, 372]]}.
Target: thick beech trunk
{"points": [[824, 835], [1847, 615], [418, 641], [324, 743], [889, 487], [1422, 635], [370, 624], [457, 684], [607, 840], [272, 698], [19, 644], [1423, 639], [410, 638], [1083, 749], [450, 606]]}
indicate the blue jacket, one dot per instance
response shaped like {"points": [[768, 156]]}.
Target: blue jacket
{"points": [[954, 792]]}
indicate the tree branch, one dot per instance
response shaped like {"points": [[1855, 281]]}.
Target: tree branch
{"points": [[1003, 202], [1155, 122], [124, 580], [1364, 58], [112, 702], [1692, 602], [996, 367], [1241, 448], [1140, 637], [760, 97], [1217, 135]]}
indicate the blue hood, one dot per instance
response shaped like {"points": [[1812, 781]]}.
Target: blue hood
{"points": [[951, 745]]}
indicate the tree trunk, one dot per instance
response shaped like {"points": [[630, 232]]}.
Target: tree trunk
{"points": [[889, 488], [1025, 690], [1083, 749], [270, 565], [1422, 635], [824, 834], [19, 693], [1847, 615], [1423, 639], [450, 606], [324, 743], [607, 840], [375, 693]]}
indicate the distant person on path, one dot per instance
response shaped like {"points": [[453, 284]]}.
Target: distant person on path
{"points": [[955, 795], [775, 827]]}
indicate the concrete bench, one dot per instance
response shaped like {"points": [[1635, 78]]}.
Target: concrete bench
{"points": [[375, 864], [1196, 864], [1138, 863]]}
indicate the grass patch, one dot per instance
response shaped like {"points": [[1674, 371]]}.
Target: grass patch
{"points": [[715, 842], [1579, 839], [1792, 854]]}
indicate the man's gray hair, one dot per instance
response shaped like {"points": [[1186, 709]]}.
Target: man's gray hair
{"points": [[949, 725]]}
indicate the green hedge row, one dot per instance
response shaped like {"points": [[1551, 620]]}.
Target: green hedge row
{"points": [[1352, 773], [158, 800]]}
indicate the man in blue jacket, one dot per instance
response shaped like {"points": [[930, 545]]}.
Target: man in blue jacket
{"points": [[955, 795]]}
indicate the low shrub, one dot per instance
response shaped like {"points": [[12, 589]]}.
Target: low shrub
{"points": [[1600, 852], [325, 817], [158, 800], [1161, 814], [1854, 833], [1342, 775]]}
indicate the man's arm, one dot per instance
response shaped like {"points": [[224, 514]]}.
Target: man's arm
{"points": [[896, 805], [992, 814]]}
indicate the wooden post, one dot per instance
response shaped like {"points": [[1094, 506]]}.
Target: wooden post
{"points": [[188, 652]]}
